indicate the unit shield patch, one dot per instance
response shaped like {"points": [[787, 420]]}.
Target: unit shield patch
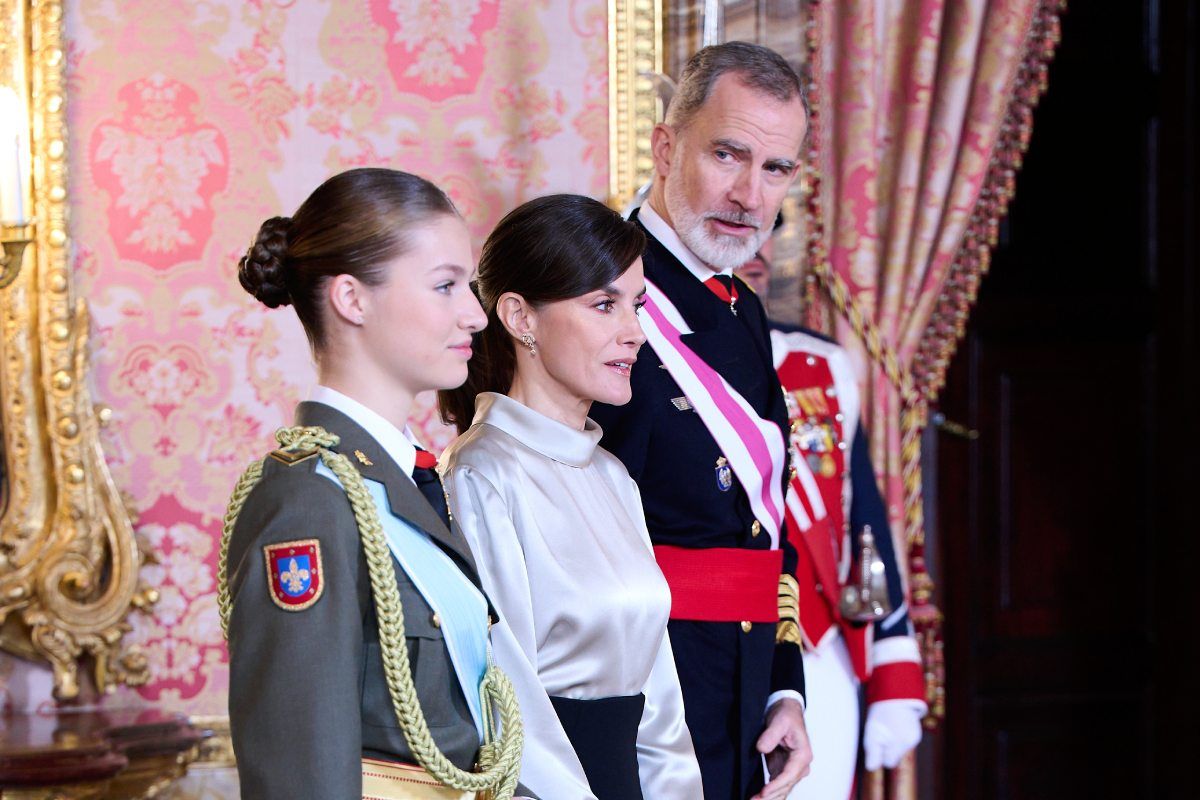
{"points": [[724, 474], [295, 575]]}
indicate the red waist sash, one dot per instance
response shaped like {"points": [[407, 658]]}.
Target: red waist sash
{"points": [[722, 584]]}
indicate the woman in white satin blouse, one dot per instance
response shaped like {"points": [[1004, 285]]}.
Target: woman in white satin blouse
{"points": [[555, 522]]}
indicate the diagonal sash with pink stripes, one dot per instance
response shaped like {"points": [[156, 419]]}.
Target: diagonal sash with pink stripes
{"points": [[754, 446]]}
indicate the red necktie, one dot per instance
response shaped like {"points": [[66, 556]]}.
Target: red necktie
{"points": [[724, 287], [427, 480], [425, 459]]}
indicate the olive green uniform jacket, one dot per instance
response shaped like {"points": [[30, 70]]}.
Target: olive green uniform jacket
{"points": [[307, 693]]}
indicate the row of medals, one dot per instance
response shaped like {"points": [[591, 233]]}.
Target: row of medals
{"points": [[815, 438]]}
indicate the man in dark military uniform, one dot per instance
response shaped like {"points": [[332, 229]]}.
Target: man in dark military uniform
{"points": [[704, 433]]}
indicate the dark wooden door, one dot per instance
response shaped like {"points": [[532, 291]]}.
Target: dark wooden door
{"points": [[1066, 537]]}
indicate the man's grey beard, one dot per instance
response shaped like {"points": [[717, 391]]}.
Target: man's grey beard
{"points": [[717, 251]]}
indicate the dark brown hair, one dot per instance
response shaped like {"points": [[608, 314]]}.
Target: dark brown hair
{"points": [[758, 67], [352, 224], [552, 248]]}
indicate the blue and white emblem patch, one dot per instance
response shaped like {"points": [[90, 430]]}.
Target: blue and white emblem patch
{"points": [[724, 474]]}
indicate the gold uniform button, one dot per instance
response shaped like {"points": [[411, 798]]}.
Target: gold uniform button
{"points": [[436, 620], [747, 625]]}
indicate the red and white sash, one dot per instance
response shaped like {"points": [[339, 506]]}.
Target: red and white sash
{"points": [[754, 446], [804, 484]]}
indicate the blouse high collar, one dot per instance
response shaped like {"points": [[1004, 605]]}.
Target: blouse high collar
{"points": [[536, 431]]}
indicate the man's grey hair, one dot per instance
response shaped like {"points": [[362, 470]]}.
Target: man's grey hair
{"points": [[758, 67]]}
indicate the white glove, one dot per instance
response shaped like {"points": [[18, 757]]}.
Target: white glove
{"points": [[893, 728]]}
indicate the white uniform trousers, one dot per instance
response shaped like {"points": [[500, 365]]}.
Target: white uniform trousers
{"points": [[831, 715]]}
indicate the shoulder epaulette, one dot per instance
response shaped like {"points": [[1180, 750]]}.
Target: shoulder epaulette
{"points": [[292, 456]]}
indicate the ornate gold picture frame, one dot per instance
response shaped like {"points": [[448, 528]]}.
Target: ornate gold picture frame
{"points": [[69, 561], [635, 53]]}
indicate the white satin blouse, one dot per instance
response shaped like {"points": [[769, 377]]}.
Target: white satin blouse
{"points": [[557, 530]]}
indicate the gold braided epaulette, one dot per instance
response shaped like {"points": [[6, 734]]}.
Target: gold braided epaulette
{"points": [[301, 443], [296, 444]]}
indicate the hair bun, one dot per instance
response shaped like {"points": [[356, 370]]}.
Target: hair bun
{"points": [[261, 270]]}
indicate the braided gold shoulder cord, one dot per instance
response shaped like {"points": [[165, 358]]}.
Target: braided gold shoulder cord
{"points": [[500, 757]]}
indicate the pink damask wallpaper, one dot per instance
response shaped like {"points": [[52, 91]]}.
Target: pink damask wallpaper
{"points": [[191, 121]]}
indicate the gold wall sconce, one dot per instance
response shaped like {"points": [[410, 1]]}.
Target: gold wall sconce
{"points": [[69, 560], [15, 230], [14, 238]]}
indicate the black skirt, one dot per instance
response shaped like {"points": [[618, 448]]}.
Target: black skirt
{"points": [[604, 735]]}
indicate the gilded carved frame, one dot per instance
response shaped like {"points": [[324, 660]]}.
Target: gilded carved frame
{"points": [[69, 560], [635, 52]]}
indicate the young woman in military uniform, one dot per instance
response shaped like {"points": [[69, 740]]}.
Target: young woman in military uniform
{"points": [[357, 629]]}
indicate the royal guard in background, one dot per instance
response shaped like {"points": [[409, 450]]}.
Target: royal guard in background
{"points": [[853, 614]]}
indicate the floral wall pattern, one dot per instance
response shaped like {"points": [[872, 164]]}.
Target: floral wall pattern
{"points": [[193, 121]]}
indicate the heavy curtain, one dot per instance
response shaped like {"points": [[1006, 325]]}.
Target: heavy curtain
{"points": [[921, 111]]}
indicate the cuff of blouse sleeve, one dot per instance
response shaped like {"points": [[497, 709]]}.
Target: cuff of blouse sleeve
{"points": [[782, 694]]}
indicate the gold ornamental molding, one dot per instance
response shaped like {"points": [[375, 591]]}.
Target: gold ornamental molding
{"points": [[216, 748], [69, 561], [635, 53]]}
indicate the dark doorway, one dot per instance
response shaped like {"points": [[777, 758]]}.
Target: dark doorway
{"points": [[1066, 531]]}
